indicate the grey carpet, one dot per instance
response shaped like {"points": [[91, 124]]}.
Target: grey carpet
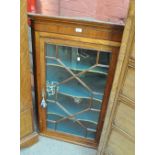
{"points": [[48, 146]]}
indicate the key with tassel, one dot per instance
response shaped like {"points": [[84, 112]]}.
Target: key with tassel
{"points": [[43, 102]]}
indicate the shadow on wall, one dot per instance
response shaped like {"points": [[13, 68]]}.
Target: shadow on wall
{"points": [[106, 10]]}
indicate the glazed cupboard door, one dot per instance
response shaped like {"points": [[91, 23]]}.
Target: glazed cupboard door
{"points": [[73, 85]]}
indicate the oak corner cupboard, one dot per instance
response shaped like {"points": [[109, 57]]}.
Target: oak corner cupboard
{"points": [[74, 63]]}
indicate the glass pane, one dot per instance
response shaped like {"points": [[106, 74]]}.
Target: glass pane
{"points": [[73, 104], [77, 59], [96, 82], [104, 58], [91, 135], [50, 50], [75, 88], [75, 83], [71, 127]]}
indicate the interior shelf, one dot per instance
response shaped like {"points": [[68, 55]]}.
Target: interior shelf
{"points": [[71, 127], [71, 103], [80, 111], [76, 104], [101, 69], [75, 87]]}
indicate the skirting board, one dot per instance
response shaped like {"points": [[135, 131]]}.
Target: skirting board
{"points": [[29, 140]]}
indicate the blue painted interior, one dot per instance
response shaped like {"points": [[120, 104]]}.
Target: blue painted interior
{"points": [[73, 95]]}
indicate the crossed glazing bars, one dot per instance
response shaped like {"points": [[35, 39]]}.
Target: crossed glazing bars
{"points": [[75, 76]]}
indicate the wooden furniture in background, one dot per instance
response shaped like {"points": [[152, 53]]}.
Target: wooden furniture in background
{"points": [[61, 33], [118, 135], [27, 134]]}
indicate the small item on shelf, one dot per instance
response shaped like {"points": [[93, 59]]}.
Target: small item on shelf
{"points": [[51, 87], [78, 58], [77, 100]]}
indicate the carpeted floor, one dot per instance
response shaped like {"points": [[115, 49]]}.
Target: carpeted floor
{"points": [[48, 146]]}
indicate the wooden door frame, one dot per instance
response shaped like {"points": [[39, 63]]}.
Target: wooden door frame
{"points": [[39, 40]]}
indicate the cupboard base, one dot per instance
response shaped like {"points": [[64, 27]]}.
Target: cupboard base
{"points": [[29, 140], [70, 139]]}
